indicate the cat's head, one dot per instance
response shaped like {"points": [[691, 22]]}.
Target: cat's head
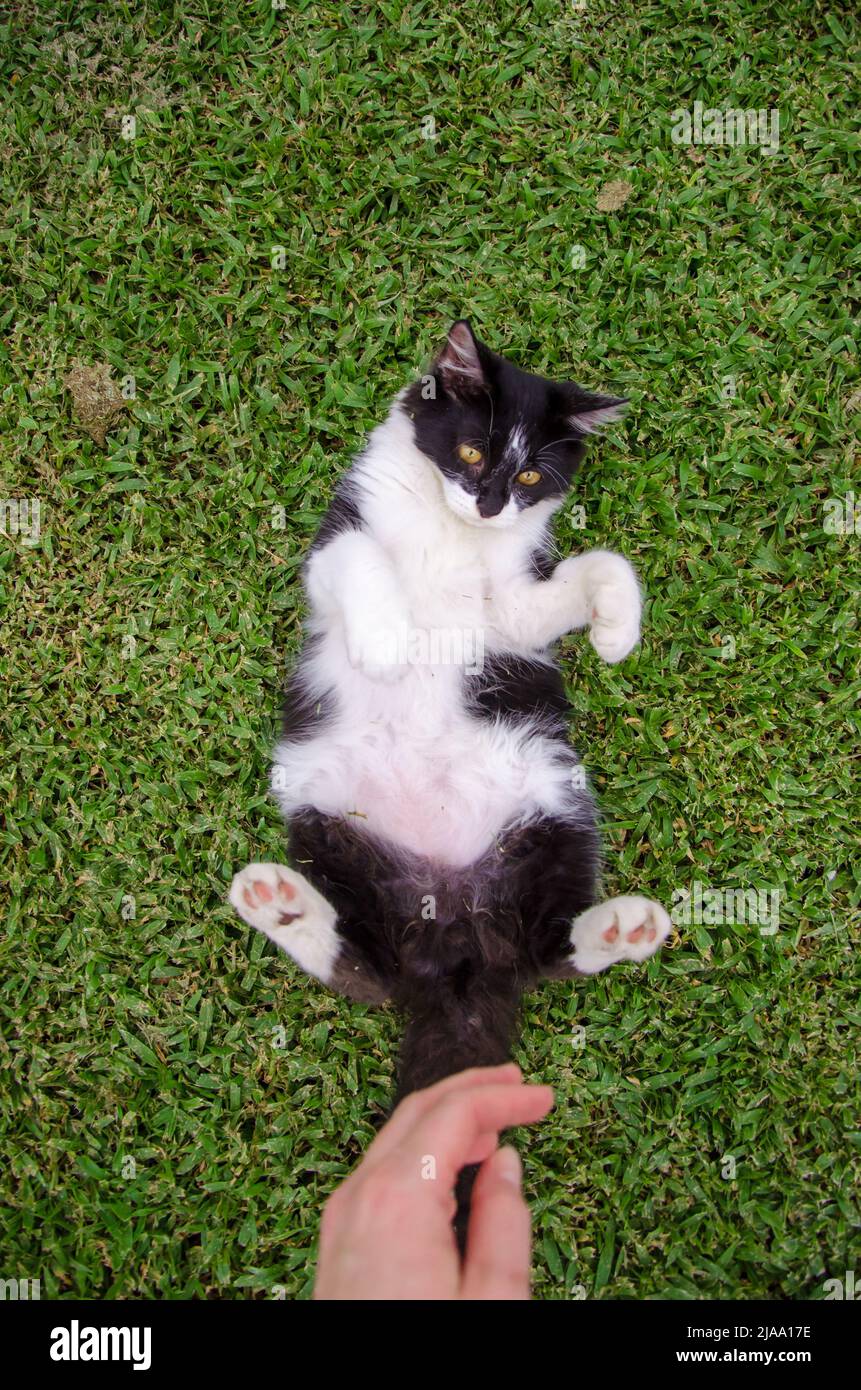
{"points": [[503, 439]]}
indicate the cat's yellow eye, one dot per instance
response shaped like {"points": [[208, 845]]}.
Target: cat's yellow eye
{"points": [[529, 477], [467, 454]]}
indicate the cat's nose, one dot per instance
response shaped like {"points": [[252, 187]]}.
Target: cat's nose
{"points": [[490, 506]]}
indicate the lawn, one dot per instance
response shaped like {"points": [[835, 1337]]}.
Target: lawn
{"points": [[262, 221]]}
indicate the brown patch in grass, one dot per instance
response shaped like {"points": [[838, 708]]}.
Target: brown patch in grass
{"points": [[613, 196], [95, 398]]}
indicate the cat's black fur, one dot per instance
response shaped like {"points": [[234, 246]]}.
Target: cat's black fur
{"points": [[483, 406]]}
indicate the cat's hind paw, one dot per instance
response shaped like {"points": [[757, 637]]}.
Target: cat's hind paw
{"points": [[624, 928], [285, 907]]}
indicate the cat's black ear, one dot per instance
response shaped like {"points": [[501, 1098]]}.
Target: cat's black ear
{"points": [[459, 364], [588, 413]]}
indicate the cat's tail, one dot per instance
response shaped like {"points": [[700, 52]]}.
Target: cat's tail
{"points": [[462, 1019]]}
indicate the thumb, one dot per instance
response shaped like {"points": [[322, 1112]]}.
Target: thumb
{"points": [[498, 1236]]}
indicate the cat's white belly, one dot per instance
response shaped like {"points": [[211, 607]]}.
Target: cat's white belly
{"points": [[416, 770]]}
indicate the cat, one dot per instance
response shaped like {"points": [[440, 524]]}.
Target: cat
{"points": [[443, 838]]}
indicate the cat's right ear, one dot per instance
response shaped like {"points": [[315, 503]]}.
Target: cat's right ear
{"points": [[459, 363]]}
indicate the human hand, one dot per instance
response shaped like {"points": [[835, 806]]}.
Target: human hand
{"points": [[386, 1232]]}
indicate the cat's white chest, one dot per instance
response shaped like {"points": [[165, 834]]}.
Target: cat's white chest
{"points": [[447, 591], [407, 758]]}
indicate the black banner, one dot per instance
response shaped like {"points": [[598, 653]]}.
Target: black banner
{"points": [[67, 1338]]}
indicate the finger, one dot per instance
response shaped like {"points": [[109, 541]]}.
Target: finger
{"points": [[499, 1234], [411, 1110], [451, 1129], [483, 1147]]}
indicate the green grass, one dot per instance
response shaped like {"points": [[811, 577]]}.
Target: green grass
{"points": [[134, 773]]}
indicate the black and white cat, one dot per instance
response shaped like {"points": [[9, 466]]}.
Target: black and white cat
{"points": [[443, 842]]}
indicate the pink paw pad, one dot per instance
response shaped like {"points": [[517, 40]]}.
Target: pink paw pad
{"points": [[612, 933], [264, 894]]}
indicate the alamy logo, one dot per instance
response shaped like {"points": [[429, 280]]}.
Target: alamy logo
{"points": [[701, 905], [706, 125], [842, 516], [434, 646], [844, 1288], [21, 516], [20, 1288], [76, 1343]]}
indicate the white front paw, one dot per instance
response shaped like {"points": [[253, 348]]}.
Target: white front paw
{"points": [[615, 605], [378, 652]]}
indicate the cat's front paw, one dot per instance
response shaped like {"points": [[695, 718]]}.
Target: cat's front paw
{"points": [[615, 607], [379, 653], [624, 928]]}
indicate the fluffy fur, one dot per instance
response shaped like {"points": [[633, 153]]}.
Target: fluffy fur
{"points": [[443, 840]]}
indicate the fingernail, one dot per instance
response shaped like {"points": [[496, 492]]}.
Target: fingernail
{"points": [[508, 1165]]}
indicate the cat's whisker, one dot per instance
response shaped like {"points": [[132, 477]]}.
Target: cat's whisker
{"points": [[490, 428], [555, 474], [568, 439]]}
